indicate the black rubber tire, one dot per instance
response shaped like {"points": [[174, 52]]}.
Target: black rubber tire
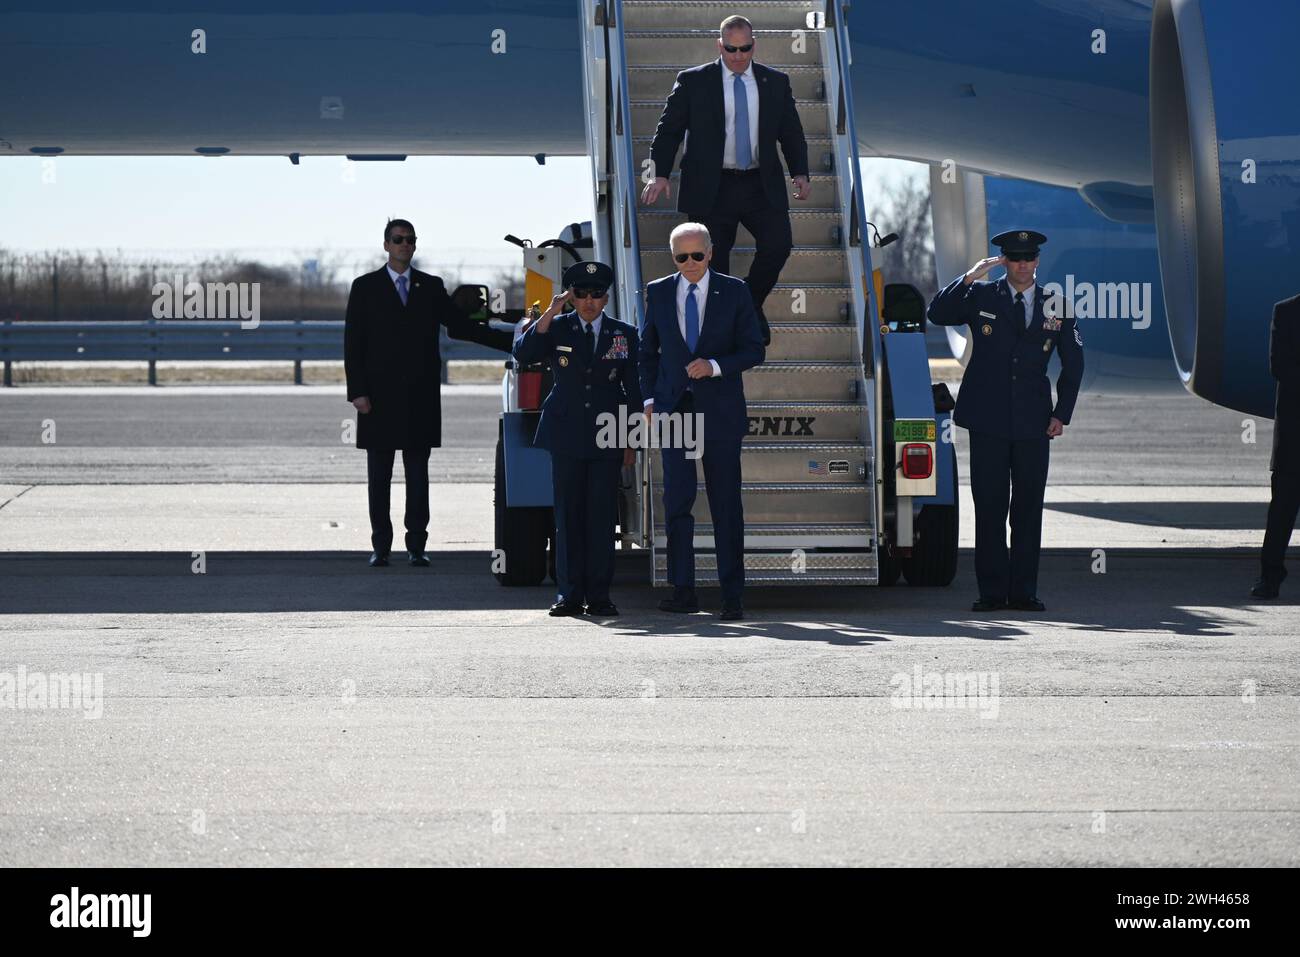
{"points": [[933, 561], [520, 533]]}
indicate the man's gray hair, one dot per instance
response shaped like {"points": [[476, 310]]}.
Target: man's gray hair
{"points": [[734, 23], [690, 229]]}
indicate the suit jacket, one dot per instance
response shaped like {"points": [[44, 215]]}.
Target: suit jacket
{"points": [[1005, 390], [1284, 362], [583, 391], [728, 334], [696, 105], [391, 355]]}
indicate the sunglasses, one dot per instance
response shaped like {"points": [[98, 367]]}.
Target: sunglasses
{"points": [[587, 292], [745, 49], [1021, 257], [398, 240], [682, 257]]}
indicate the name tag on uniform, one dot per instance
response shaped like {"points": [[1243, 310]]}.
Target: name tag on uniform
{"points": [[988, 315], [564, 348]]}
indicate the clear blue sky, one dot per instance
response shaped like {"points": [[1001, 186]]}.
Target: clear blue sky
{"points": [[265, 206]]}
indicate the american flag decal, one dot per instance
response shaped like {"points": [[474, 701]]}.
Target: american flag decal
{"points": [[816, 468]]}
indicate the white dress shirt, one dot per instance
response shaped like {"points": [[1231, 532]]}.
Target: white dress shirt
{"points": [[729, 106]]}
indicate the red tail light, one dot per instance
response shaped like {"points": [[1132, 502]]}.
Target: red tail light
{"points": [[530, 390], [918, 461]]}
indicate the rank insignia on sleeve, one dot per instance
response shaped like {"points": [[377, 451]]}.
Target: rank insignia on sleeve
{"points": [[986, 329], [564, 360], [1078, 339]]}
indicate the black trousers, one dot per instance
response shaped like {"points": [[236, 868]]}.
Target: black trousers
{"points": [[741, 201], [586, 512], [379, 473], [1007, 475], [1282, 509]]}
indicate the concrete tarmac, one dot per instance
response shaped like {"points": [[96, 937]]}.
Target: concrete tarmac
{"points": [[281, 703]]}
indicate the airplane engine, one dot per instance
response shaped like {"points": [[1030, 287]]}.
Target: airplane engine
{"points": [[1225, 155]]}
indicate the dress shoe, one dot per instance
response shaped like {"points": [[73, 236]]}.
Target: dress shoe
{"points": [[681, 603], [988, 604], [566, 609], [418, 559], [379, 561], [732, 613], [603, 609], [1264, 588], [1027, 604]]}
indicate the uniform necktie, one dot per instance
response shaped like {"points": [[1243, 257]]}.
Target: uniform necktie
{"points": [[741, 132], [1020, 311], [692, 319], [588, 344], [401, 288]]}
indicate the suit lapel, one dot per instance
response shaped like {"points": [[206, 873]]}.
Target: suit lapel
{"points": [[765, 109], [714, 74], [670, 295], [605, 340]]}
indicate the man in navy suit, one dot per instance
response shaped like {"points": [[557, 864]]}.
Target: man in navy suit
{"points": [[730, 180], [594, 361], [1005, 404], [700, 334]]}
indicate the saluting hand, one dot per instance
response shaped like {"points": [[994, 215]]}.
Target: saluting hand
{"points": [[554, 309], [802, 188], [983, 268]]}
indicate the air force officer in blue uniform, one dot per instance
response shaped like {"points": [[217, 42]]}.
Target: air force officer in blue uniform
{"points": [[700, 333], [594, 361], [1005, 403]]}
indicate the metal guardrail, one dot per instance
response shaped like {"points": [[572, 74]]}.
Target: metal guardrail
{"points": [[190, 340]]}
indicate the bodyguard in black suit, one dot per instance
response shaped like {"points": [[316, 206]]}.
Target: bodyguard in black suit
{"points": [[1005, 404], [594, 361], [392, 362], [728, 179], [1284, 362]]}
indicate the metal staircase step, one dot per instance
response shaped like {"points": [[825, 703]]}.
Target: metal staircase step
{"points": [[791, 503], [776, 15], [839, 463], [820, 161], [693, 47], [802, 381], [811, 226], [653, 82], [805, 341], [775, 421], [813, 116], [785, 568], [820, 264]]}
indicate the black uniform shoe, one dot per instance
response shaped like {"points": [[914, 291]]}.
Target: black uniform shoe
{"points": [[988, 604], [1264, 589], [682, 602], [1028, 604], [379, 561], [566, 609], [603, 609], [418, 559], [732, 613]]}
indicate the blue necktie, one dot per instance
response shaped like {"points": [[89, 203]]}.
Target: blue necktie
{"points": [[692, 319], [401, 288], [742, 125]]}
